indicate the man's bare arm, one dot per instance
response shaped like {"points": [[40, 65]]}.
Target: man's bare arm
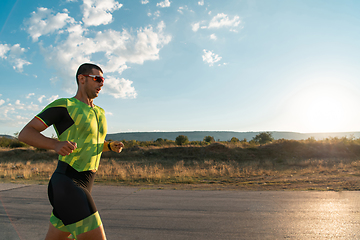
{"points": [[31, 134]]}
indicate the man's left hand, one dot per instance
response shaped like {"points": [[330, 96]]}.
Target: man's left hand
{"points": [[116, 146]]}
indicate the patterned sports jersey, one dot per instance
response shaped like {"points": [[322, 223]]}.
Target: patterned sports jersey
{"points": [[77, 122]]}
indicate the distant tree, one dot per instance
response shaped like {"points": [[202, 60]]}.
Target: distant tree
{"points": [[131, 143], [159, 140], [234, 140], [244, 140], [181, 140], [209, 139], [311, 139], [263, 138]]}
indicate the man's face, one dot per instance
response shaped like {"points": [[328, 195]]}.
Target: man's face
{"points": [[92, 87]]}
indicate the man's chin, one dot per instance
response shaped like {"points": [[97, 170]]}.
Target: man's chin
{"points": [[95, 95]]}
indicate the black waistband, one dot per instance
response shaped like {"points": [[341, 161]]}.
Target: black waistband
{"points": [[84, 178], [62, 167]]}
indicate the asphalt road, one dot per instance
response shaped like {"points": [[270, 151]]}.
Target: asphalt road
{"points": [[132, 213]]}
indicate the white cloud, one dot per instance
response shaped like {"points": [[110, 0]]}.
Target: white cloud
{"points": [[44, 22], [119, 88], [4, 48], [201, 3], [7, 109], [165, 3], [20, 117], [180, 10], [40, 99], [16, 50], [124, 47], [16, 114], [33, 107], [13, 55], [114, 50], [118, 49], [19, 105], [222, 20], [195, 26], [48, 100], [54, 80], [156, 14], [144, 1], [98, 12], [52, 98], [19, 64], [185, 8], [213, 36], [30, 94], [210, 57]]}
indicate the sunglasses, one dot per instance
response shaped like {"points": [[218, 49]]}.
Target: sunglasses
{"points": [[96, 78]]}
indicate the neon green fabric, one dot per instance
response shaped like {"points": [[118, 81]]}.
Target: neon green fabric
{"points": [[90, 223], [58, 223], [88, 130]]}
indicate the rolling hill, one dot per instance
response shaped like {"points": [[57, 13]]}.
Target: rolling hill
{"points": [[223, 135]]}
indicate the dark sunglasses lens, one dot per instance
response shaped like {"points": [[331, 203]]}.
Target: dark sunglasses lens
{"points": [[99, 79]]}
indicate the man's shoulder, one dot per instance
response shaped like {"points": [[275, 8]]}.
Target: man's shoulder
{"points": [[100, 109], [61, 102], [58, 103]]}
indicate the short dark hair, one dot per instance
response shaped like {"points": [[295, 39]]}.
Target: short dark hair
{"points": [[86, 68]]}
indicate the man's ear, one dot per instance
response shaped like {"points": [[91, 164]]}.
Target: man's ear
{"points": [[81, 79]]}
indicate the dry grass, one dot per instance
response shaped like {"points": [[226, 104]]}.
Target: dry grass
{"points": [[19, 171], [281, 165], [308, 174]]}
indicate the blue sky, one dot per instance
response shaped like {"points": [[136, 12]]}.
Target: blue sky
{"points": [[202, 65]]}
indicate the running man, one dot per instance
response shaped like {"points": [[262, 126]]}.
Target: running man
{"points": [[81, 129]]}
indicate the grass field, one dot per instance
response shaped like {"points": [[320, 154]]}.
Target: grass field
{"points": [[331, 164]]}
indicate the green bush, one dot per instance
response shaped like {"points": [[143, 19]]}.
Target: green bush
{"points": [[130, 143], [263, 138], [209, 139], [17, 144], [181, 140], [11, 143]]}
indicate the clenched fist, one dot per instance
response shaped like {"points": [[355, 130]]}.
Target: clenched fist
{"points": [[64, 148], [116, 146]]}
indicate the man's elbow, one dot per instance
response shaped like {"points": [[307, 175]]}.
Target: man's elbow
{"points": [[21, 136], [24, 134]]}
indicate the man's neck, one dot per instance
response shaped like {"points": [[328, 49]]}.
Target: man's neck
{"points": [[84, 99]]}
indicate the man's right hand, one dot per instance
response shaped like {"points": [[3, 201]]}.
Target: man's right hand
{"points": [[31, 134], [64, 148]]}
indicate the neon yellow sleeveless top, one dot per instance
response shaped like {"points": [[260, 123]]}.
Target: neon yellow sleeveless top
{"points": [[77, 122]]}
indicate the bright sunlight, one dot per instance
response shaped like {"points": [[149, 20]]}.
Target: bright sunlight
{"points": [[325, 113], [324, 108]]}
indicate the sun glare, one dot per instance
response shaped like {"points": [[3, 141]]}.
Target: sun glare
{"points": [[324, 108], [325, 113]]}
